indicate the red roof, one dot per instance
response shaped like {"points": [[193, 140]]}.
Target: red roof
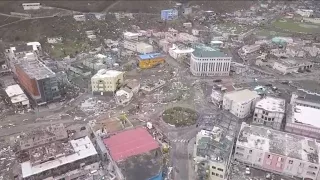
{"points": [[130, 143]]}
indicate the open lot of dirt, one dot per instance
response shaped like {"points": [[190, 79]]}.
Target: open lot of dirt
{"points": [[6, 20]]}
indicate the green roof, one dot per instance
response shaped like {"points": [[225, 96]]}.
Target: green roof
{"points": [[201, 50], [203, 142]]}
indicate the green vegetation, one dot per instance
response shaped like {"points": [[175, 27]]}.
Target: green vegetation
{"points": [[180, 116], [68, 48], [296, 26]]}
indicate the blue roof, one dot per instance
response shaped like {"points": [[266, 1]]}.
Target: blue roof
{"points": [[150, 56], [157, 177]]}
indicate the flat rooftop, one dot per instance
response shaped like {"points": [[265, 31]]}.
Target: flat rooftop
{"points": [[102, 73], [242, 95], [14, 90], [130, 143], [306, 115], [143, 166], [272, 104], [278, 142], [81, 147], [150, 56], [34, 68], [203, 51], [216, 144]]}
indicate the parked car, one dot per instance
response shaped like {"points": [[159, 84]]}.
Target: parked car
{"points": [[217, 80], [248, 171]]}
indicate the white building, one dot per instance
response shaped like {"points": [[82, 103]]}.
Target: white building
{"points": [[178, 52], [31, 6], [106, 81], [80, 17], [278, 152], [130, 45], [312, 20], [270, 112], [240, 103], [250, 48], [218, 91], [144, 48], [50, 161], [206, 61], [286, 66], [303, 113], [208, 154], [305, 12], [125, 94], [131, 36], [17, 96], [54, 40]]}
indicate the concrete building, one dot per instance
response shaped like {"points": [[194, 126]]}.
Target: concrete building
{"points": [[169, 14], [39, 81], [144, 48], [212, 152], [125, 94], [247, 49], [54, 40], [302, 115], [31, 6], [270, 112], [22, 50], [180, 52], [218, 92], [150, 60], [305, 12], [136, 152], [61, 160], [42, 136], [286, 66], [17, 96], [131, 36], [130, 45], [312, 20], [240, 103], [80, 17], [278, 152], [106, 81], [207, 61]]}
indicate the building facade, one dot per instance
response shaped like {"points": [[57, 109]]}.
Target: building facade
{"points": [[218, 92], [270, 112], [31, 6], [240, 103], [177, 52], [292, 66], [37, 80], [278, 152], [208, 154], [106, 81], [150, 60], [206, 61], [169, 14]]}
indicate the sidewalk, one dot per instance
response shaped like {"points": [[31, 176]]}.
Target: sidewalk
{"points": [[192, 174]]}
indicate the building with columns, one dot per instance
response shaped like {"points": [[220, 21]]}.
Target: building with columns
{"points": [[208, 61]]}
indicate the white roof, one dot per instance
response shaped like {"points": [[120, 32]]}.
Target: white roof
{"points": [[14, 90], [307, 115], [216, 42], [34, 45], [176, 49], [19, 98], [83, 148], [242, 95], [130, 34], [272, 104], [102, 73]]}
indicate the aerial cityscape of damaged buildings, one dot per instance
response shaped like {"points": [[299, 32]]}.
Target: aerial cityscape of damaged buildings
{"points": [[187, 92]]}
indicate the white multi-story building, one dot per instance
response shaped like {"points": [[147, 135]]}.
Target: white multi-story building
{"points": [[208, 154], [269, 112], [278, 152], [177, 52], [144, 48], [106, 81], [206, 61], [305, 12], [130, 45], [302, 116], [250, 48], [292, 66], [240, 103]]}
